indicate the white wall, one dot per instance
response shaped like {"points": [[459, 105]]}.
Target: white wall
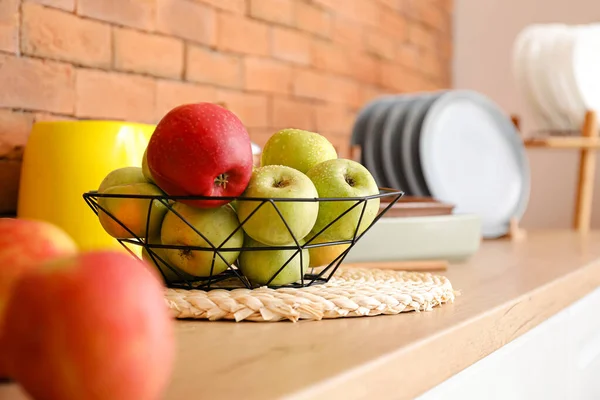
{"points": [[484, 32]]}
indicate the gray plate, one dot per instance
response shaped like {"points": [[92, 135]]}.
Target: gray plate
{"points": [[372, 142], [391, 139], [360, 124], [410, 143], [473, 157]]}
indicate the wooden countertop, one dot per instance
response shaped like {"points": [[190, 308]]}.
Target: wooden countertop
{"points": [[507, 288]]}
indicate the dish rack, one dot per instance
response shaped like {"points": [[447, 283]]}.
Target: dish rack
{"points": [[588, 143]]}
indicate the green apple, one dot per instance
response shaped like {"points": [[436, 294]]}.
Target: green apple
{"points": [[216, 224], [259, 266], [145, 169], [278, 181], [133, 213], [168, 272], [298, 149], [343, 178], [122, 176]]}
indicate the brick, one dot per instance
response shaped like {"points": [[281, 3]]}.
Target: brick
{"points": [[347, 33], [276, 11], [421, 36], [343, 90], [431, 65], [369, 93], [241, 35], [312, 19], [289, 45], [36, 85], [331, 58], [366, 12], [68, 5], [365, 68], [252, 109], [111, 95], [409, 56], [51, 33], [170, 94], [331, 4], [207, 66], [292, 113], [377, 43], [394, 25], [430, 13], [260, 135], [135, 51], [334, 118], [395, 5], [399, 79], [265, 75], [309, 83], [15, 127], [393, 76], [188, 20], [9, 25], [340, 142], [235, 6], [134, 13]]}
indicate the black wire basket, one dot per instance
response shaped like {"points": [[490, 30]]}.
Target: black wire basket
{"points": [[233, 277]]}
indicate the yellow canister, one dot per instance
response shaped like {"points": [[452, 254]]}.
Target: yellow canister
{"points": [[64, 159]]}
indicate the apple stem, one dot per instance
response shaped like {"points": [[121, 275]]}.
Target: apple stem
{"points": [[221, 180], [349, 180]]}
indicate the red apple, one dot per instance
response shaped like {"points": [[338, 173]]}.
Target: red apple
{"points": [[200, 149], [90, 326], [24, 244]]}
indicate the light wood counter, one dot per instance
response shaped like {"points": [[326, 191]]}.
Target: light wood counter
{"points": [[507, 288]]}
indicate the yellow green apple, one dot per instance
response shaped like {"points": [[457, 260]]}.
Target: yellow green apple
{"points": [[122, 176], [133, 213], [259, 266], [298, 149], [216, 224], [278, 181], [341, 178], [168, 273], [145, 169]]}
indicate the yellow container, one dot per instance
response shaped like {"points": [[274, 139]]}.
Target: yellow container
{"points": [[64, 159]]}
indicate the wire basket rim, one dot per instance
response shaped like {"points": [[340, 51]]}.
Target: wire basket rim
{"points": [[383, 192]]}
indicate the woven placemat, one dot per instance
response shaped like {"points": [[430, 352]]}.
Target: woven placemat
{"points": [[352, 292]]}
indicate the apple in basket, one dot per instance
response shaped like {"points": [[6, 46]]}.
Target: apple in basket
{"points": [[200, 149], [266, 225], [259, 266], [298, 149], [343, 178]]}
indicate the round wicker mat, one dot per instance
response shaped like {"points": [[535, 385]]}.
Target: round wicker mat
{"points": [[351, 292]]}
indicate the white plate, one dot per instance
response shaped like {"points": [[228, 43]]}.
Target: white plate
{"points": [[535, 71], [473, 157], [586, 65]]}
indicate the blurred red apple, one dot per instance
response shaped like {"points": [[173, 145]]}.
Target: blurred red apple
{"points": [[24, 244], [200, 149], [90, 326]]}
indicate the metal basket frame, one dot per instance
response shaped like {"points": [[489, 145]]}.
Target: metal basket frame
{"points": [[223, 280]]}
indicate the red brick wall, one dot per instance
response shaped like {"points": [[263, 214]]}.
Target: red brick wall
{"points": [[277, 63]]}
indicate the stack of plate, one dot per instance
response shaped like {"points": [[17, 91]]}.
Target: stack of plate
{"points": [[556, 70], [455, 146]]}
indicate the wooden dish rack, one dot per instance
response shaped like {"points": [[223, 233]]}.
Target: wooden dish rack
{"points": [[587, 143]]}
